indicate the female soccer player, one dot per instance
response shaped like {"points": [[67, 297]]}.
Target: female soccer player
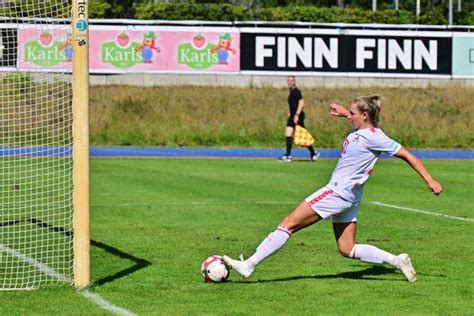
{"points": [[340, 198]]}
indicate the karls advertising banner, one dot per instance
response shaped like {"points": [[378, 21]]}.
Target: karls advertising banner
{"points": [[8, 47], [348, 52], [44, 50], [165, 49], [141, 49]]}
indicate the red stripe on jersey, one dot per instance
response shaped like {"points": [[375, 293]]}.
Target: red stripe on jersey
{"points": [[319, 197]]}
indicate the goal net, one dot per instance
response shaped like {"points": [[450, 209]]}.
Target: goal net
{"points": [[36, 186]]}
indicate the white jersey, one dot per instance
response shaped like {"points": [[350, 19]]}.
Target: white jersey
{"points": [[359, 154]]}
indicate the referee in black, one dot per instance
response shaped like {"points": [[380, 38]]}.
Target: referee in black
{"points": [[295, 117]]}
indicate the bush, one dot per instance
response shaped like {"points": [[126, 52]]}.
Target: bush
{"points": [[303, 13], [186, 11], [100, 9]]}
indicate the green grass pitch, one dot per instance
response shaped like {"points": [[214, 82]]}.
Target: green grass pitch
{"points": [[155, 220]]}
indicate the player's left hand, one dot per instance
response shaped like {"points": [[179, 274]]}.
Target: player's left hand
{"points": [[435, 187]]}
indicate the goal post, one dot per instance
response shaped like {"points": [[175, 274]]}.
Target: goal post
{"points": [[44, 143], [80, 103]]}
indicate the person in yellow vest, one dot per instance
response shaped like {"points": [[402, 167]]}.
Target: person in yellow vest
{"points": [[295, 117]]}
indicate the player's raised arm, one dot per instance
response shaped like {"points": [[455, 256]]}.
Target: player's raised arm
{"points": [[339, 110], [418, 166]]}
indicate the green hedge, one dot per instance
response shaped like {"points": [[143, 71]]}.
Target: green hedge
{"points": [[254, 10], [336, 15], [186, 11], [228, 12]]}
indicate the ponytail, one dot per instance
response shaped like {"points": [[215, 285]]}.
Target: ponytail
{"points": [[371, 105]]}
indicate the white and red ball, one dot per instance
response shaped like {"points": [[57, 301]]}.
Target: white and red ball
{"points": [[214, 269]]}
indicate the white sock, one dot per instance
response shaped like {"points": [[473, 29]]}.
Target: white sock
{"points": [[274, 241], [368, 253]]}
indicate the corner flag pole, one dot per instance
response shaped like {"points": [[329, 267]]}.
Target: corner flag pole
{"points": [[80, 103]]}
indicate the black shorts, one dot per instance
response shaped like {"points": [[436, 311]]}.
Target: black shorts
{"points": [[291, 122]]}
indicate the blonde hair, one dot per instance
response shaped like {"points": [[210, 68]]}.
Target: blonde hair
{"points": [[371, 105]]}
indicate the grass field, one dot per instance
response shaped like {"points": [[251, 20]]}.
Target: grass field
{"points": [[154, 221]]}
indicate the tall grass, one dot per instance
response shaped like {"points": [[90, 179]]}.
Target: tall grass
{"points": [[255, 117], [34, 112]]}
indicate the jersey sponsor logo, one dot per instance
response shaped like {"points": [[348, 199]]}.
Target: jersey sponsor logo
{"points": [[344, 146]]}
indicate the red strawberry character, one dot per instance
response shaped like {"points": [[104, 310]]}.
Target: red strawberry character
{"points": [[123, 39], [46, 38], [199, 40]]}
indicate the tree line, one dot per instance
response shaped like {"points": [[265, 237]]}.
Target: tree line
{"points": [[433, 12]]}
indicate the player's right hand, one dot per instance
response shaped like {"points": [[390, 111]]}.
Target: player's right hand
{"points": [[337, 109]]}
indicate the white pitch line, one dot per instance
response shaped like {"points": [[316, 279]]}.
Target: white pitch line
{"points": [[423, 212], [40, 266], [95, 298], [194, 203], [99, 300]]}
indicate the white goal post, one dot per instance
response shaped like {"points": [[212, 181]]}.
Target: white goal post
{"points": [[44, 143]]}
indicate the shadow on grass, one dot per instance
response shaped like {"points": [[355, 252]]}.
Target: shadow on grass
{"points": [[369, 274], [139, 263]]}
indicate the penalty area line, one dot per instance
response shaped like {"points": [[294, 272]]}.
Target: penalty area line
{"points": [[193, 203], [44, 268], [414, 210]]}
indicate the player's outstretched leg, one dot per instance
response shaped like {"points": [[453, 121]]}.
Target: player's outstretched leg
{"points": [[301, 217], [345, 234], [274, 241], [372, 254]]}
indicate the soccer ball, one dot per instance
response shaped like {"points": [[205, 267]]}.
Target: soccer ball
{"points": [[214, 269]]}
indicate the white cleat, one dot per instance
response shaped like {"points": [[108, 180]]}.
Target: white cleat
{"points": [[285, 158], [404, 264], [315, 157], [242, 267]]}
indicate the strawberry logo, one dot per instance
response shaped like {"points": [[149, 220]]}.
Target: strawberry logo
{"points": [[46, 38], [123, 39], [199, 40]]}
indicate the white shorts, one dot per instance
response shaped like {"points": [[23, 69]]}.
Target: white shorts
{"points": [[327, 203]]}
